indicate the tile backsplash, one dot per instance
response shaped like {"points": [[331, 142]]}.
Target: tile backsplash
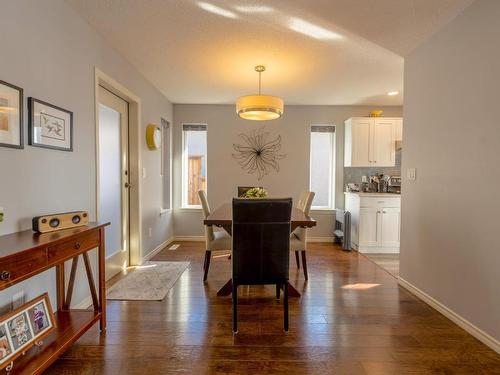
{"points": [[354, 174]]}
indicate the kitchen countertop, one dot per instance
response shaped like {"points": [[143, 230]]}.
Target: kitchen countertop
{"points": [[362, 194]]}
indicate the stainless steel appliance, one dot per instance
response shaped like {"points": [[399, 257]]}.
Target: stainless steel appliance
{"points": [[394, 185]]}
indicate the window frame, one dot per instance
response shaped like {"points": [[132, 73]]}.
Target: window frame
{"points": [[332, 167], [185, 185], [166, 126]]}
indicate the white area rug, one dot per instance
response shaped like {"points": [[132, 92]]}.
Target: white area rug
{"points": [[149, 282]]}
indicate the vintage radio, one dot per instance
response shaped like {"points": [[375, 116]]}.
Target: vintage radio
{"points": [[65, 220]]}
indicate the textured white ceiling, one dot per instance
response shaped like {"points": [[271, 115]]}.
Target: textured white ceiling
{"points": [[194, 56]]}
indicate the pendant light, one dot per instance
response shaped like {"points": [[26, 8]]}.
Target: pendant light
{"points": [[259, 107]]}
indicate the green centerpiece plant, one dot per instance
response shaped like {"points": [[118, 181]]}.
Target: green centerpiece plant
{"points": [[256, 193]]}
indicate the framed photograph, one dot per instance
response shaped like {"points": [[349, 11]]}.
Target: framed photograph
{"points": [[19, 330], [24, 327], [5, 346], [11, 115], [50, 126], [39, 317]]}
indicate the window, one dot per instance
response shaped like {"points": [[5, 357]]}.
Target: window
{"points": [[194, 163], [166, 164], [322, 159]]}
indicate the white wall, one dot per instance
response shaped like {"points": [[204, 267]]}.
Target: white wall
{"points": [[224, 173], [450, 246], [51, 52]]}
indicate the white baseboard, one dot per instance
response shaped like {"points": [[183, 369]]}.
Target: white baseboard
{"points": [[202, 238], [157, 249], [85, 304], [453, 316], [320, 239], [190, 238], [378, 250]]}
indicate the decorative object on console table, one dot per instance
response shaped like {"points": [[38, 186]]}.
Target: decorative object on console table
{"points": [[11, 115], [65, 220], [50, 126], [24, 327], [26, 254]]}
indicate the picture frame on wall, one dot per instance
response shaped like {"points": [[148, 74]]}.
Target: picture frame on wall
{"points": [[50, 126], [24, 327], [11, 115]]}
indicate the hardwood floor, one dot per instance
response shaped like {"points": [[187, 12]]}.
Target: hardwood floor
{"points": [[353, 318], [389, 262]]}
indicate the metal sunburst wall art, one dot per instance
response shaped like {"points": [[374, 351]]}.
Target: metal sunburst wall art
{"points": [[259, 154]]}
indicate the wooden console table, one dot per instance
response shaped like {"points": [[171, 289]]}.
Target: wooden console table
{"points": [[26, 254]]}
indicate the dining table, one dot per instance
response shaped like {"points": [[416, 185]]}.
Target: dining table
{"points": [[223, 217]]}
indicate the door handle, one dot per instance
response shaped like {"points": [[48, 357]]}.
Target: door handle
{"points": [[127, 185]]}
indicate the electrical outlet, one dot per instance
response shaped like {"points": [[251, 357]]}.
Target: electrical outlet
{"points": [[18, 300], [150, 231]]}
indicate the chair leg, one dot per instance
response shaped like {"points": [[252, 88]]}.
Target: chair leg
{"points": [[285, 307], [297, 258], [208, 256], [235, 308], [278, 287], [304, 264]]}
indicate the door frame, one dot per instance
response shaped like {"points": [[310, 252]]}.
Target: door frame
{"points": [[135, 222]]}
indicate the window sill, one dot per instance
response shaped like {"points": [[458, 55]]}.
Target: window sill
{"points": [[322, 210], [189, 209], [165, 211]]}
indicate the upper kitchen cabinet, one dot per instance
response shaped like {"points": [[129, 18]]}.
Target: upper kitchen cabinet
{"points": [[371, 141]]}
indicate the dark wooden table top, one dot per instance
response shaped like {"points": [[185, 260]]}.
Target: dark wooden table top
{"points": [[223, 216], [27, 239]]}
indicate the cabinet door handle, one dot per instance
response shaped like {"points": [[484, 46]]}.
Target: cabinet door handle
{"points": [[4, 275], [77, 246]]}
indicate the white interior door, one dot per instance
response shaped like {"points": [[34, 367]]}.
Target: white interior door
{"points": [[114, 178]]}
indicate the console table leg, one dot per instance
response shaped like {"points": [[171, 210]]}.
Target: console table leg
{"points": [[60, 287], [72, 275], [102, 279], [90, 278]]}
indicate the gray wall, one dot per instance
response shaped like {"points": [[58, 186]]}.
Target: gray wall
{"points": [[51, 52], [450, 214], [224, 174]]}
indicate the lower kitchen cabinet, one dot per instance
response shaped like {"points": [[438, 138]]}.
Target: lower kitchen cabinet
{"points": [[375, 221]]}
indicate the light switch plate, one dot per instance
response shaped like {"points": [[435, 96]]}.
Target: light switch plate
{"points": [[143, 172], [411, 174]]}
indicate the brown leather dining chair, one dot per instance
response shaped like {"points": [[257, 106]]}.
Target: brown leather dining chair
{"points": [[261, 247]]}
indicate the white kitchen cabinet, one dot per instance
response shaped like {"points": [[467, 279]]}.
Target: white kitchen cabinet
{"points": [[368, 227], [389, 226], [371, 141], [375, 221]]}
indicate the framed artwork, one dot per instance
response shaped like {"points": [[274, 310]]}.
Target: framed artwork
{"points": [[11, 115], [50, 126], [24, 327]]}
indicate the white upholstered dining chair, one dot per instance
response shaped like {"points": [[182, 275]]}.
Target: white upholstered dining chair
{"points": [[298, 238], [214, 239]]}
